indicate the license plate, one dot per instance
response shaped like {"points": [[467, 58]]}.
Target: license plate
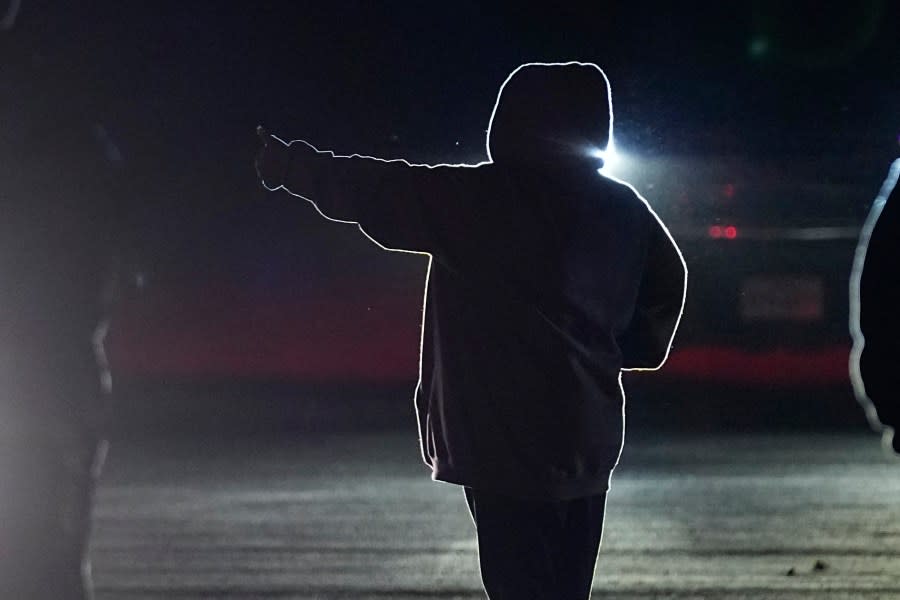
{"points": [[782, 298]]}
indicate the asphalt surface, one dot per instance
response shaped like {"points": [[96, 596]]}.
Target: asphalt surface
{"points": [[355, 516]]}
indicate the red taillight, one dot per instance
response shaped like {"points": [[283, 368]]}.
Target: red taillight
{"points": [[728, 232]]}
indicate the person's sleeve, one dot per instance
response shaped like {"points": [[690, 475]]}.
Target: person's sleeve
{"points": [[646, 341], [400, 206]]}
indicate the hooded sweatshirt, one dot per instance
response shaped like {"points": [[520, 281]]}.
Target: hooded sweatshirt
{"points": [[545, 280]]}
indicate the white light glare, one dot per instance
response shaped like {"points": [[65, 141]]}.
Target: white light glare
{"points": [[610, 156]]}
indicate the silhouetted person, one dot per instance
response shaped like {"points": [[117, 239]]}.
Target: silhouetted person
{"points": [[875, 302], [57, 182], [545, 280]]}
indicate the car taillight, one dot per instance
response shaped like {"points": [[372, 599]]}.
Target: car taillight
{"points": [[729, 232]]}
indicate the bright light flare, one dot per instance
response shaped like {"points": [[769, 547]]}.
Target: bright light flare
{"points": [[613, 160]]}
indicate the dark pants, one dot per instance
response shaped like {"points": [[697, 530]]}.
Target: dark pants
{"points": [[536, 550], [46, 518], [53, 415]]}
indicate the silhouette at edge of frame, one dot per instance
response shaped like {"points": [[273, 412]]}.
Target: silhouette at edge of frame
{"points": [[874, 302], [61, 195], [545, 281]]}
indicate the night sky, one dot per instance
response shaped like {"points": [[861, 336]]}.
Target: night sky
{"points": [[237, 281]]}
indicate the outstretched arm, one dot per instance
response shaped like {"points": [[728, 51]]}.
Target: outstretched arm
{"points": [[645, 343], [399, 205]]}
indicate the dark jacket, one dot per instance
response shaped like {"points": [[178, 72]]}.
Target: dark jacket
{"points": [[879, 299], [546, 279]]}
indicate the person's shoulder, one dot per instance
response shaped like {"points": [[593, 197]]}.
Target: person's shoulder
{"points": [[624, 194], [619, 188]]}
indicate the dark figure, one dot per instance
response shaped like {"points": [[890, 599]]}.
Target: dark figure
{"points": [[57, 180], [874, 301], [546, 279]]}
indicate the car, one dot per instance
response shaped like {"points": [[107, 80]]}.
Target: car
{"points": [[769, 259]]}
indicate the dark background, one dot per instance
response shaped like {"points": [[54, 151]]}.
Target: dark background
{"points": [[227, 281]]}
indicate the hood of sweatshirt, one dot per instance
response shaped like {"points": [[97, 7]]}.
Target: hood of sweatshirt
{"points": [[551, 114]]}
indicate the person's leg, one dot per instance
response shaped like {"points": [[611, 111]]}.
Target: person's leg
{"points": [[45, 510], [583, 531], [537, 550], [77, 485], [518, 544], [52, 448]]}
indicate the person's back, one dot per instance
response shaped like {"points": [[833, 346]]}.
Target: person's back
{"points": [[526, 315], [546, 279]]}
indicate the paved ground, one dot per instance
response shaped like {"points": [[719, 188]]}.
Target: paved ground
{"points": [[355, 516]]}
